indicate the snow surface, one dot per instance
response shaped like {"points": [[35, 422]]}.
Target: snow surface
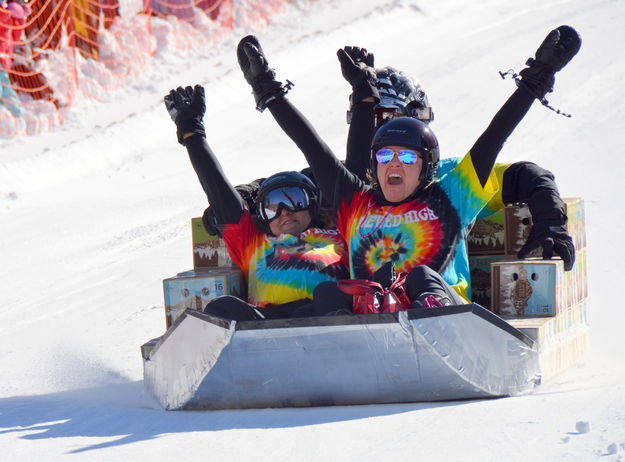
{"points": [[94, 215]]}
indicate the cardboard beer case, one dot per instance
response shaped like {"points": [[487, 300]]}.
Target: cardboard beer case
{"points": [[487, 235], [549, 331], [562, 355], [536, 287], [575, 281], [480, 269], [208, 251], [562, 340], [518, 224], [194, 289]]}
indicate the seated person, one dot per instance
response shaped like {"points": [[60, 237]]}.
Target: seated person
{"points": [[282, 248], [395, 95]]}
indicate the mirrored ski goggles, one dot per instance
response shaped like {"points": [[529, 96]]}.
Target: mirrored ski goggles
{"points": [[291, 198], [405, 156]]}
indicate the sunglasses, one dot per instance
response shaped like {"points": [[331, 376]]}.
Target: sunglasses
{"points": [[406, 156], [291, 198]]}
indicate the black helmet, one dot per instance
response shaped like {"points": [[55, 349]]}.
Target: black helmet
{"points": [[409, 133], [281, 191], [400, 95]]}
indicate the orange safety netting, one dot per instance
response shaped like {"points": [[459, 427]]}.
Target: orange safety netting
{"points": [[54, 53]]}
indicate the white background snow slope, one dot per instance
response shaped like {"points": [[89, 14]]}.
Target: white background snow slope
{"points": [[94, 216]]}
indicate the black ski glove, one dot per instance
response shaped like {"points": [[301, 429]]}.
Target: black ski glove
{"points": [[258, 74], [549, 228], [554, 53], [186, 107], [209, 220], [357, 68]]}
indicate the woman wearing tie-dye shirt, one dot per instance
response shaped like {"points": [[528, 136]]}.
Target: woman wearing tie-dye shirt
{"points": [[409, 216]]}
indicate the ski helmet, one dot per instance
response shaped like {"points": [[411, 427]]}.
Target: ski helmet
{"points": [[400, 95], [285, 190], [410, 133]]}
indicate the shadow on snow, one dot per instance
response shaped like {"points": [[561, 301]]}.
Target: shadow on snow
{"points": [[123, 411]]}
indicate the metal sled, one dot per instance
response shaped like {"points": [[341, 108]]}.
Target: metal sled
{"points": [[447, 353]]}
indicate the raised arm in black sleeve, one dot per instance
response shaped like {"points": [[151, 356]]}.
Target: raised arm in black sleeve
{"points": [[536, 81], [333, 179], [357, 67], [485, 150], [224, 199], [361, 132], [186, 107]]}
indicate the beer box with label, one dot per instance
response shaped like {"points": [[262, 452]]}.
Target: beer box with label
{"points": [[562, 340], [535, 287], [566, 353], [518, 224], [563, 352], [575, 282], [528, 288], [194, 289], [487, 235], [208, 251], [480, 268], [548, 331]]}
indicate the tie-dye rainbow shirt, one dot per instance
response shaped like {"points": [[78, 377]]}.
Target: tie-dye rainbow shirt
{"points": [[428, 230], [285, 268], [495, 204]]}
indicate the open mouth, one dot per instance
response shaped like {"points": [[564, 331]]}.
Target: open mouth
{"points": [[288, 222], [395, 179]]}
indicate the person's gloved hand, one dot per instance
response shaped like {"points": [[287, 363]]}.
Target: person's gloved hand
{"points": [[357, 68], [209, 220], [549, 228], [554, 53], [257, 72], [186, 107]]}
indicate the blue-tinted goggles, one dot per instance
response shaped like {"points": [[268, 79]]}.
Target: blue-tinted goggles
{"points": [[292, 198], [406, 156]]}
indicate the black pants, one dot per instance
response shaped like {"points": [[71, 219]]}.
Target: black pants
{"points": [[233, 308], [327, 297]]}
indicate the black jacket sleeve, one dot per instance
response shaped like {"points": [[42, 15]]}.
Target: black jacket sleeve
{"points": [[224, 199], [485, 150], [361, 132], [522, 179], [333, 179]]}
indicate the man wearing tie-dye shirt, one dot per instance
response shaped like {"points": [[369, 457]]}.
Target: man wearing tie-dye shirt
{"points": [[281, 246]]}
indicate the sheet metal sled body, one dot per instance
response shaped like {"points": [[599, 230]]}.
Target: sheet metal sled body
{"points": [[434, 354]]}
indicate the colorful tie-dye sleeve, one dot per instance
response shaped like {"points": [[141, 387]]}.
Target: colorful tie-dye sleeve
{"points": [[495, 204], [241, 239], [465, 191]]}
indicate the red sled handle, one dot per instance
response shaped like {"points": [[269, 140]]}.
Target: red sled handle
{"points": [[359, 287], [364, 290]]}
